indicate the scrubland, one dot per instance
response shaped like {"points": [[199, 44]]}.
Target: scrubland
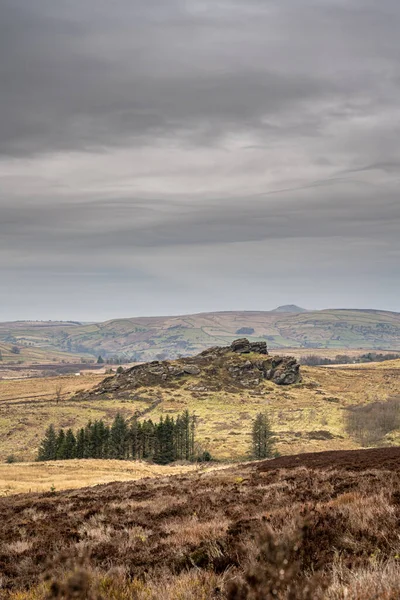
{"points": [[310, 416], [319, 526]]}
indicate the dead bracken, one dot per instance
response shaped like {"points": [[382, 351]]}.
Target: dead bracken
{"points": [[299, 527]]}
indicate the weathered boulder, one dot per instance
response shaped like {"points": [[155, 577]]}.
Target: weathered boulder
{"points": [[259, 347], [282, 370], [241, 346], [247, 374]]}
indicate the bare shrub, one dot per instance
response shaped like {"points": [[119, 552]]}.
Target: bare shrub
{"points": [[369, 423]]}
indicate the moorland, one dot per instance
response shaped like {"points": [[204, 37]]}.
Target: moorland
{"points": [[308, 527], [308, 416], [149, 338]]}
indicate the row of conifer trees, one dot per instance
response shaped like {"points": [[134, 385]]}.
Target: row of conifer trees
{"points": [[163, 442]]}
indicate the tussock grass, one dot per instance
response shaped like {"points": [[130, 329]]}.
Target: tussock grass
{"points": [[243, 533], [69, 474]]}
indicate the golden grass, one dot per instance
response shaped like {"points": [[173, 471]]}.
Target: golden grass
{"points": [[69, 474], [29, 406], [224, 418]]}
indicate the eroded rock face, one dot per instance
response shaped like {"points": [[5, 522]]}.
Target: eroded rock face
{"points": [[212, 370], [282, 370], [243, 346]]}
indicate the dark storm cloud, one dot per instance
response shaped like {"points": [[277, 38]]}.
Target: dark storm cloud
{"points": [[161, 142]]}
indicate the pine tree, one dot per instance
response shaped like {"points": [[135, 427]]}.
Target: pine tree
{"points": [[119, 438], [148, 439], [134, 435], [169, 437], [48, 446], [262, 437], [88, 441], [69, 445], [103, 434], [80, 443], [60, 445]]}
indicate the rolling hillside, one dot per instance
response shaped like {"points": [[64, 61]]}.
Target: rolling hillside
{"points": [[307, 416], [20, 354], [148, 338]]}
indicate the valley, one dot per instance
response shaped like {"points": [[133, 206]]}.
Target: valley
{"points": [[149, 338]]}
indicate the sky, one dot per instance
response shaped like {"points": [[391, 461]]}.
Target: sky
{"points": [[177, 156]]}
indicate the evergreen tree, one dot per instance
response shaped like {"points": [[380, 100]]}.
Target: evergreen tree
{"points": [[147, 439], [163, 442], [169, 440], [119, 438], [60, 445], [88, 441], [103, 435], [135, 435], [262, 437], [48, 446], [69, 450], [80, 443]]}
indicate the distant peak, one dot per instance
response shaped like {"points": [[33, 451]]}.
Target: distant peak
{"points": [[289, 308]]}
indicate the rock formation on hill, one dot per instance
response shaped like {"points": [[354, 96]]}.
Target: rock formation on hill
{"points": [[243, 364]]}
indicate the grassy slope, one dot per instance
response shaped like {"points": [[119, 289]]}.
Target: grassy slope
{"points": [[69, 474], [224, 418], [34, 355], [336, 329], [251, 531]]}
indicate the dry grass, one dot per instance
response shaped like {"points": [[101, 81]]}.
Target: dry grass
{"points": [[20, 478], [298, 413], [244, 533], [28, 407]]}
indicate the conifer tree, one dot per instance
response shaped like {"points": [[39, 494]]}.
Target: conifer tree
{"points": [[48, 447], [80, 443], [60, 445], [69, 450], [169, 441], [134, 435], [262, 437], [119, 438]]}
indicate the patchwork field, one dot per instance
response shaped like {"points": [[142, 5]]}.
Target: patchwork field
{"points": [[19, 354], [147, 338]]}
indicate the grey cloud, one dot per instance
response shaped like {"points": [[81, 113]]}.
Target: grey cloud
{"points": [[150, 148], [82, 75]]}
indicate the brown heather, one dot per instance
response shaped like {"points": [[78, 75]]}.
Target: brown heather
{"points": [[318, 526]]}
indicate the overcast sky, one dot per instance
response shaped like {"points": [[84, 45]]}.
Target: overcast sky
{"points": [[177, 156]]}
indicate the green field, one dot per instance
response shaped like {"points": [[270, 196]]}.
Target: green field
{"points": [[168, 337]]}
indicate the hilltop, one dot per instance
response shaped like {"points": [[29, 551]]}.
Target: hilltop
{"points": [[149, 338], [289, 308], [224, 388]]}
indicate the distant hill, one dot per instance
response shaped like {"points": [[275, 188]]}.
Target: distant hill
{"points": [[289, 308], [149, 338]]}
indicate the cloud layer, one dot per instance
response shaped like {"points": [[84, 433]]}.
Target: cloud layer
{"points": [[180, 156]]}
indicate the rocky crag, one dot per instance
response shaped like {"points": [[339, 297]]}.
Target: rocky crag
{"points": [[241, 365]]}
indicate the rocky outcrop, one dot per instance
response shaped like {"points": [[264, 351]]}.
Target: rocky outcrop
{"points": [[243, 364], [282, 370], [243, 346]]}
